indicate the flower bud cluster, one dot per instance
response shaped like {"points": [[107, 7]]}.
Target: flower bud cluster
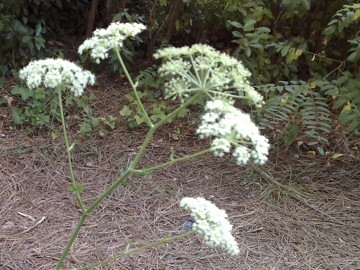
{"points": [[54, 72], [212, 222], [231, 127], [103, 40]]}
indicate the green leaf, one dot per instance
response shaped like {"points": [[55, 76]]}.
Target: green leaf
{"points": [[38, 29], [236, 24], [245, 42], [25, 39], [311, 143], [125, 111], [95, 121], [30, 44], [347, 118], [333, 21], [354, 124], [291, 135], [183, 112], [17, 116], [285, 50], [54, 135], [352, 57], [350, 17], [43, 119], [320, 150], [85, 128], [138, 119], [249, 25], [236, 34], [20, 28], [330, 30], [290, 56], [263, 29], [306, 4], [25, 93], [129, 97], [39, 43], [339, 103], [39, 93], [79, 188], [247, 51]]}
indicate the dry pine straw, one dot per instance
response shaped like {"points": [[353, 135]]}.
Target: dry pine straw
{"points": [[286, 214]]}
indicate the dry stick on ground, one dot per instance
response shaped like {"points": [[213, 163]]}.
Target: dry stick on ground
{"points": [[294, 193]]}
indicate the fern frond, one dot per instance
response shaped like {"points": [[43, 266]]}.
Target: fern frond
{"points": [[315, 117], [147, 76], [281, 108]]}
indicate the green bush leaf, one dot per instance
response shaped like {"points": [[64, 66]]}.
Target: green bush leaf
{"points": [[354, 124], [20, 28], [25, 39], [39, 93], [339, 103], [330, 30], [25, 93], [291, 135], [17, 116], [249, 25], [285, 50], [353, 57]]}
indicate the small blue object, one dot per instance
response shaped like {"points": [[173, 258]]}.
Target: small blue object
{"points": [[187, 225]]}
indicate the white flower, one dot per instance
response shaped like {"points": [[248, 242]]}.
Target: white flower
{"points": [[230, 126], [205, 69], [242, 155], [104, 40], [54, 72], [212, 222], [219, 146]]}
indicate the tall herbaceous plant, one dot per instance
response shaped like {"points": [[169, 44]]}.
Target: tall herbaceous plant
{"points": [[193, 73]]}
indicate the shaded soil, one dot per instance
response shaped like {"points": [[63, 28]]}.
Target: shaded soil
{"points": [[298, 211]]}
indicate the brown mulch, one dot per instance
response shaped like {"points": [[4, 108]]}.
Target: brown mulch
{"points": [[296, 212]]}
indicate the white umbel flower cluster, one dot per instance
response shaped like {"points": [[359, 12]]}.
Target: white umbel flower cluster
{"points": [[231, 127], [212, 222], [54, 72], [104, 40], [202, 68]]}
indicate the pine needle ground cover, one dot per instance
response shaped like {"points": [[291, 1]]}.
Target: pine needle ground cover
{"points": [[299, 211]]}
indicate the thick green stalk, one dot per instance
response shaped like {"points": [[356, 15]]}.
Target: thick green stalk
{"points": [[174, 113], [84, 216], [71, 241], [162, 241], [156, 126], [68, 151], [133, 86]]}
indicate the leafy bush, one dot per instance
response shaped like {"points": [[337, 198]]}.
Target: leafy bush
{"points": [[26, 24]]}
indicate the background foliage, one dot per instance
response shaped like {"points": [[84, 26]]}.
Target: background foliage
{"points": [[303, 54]]}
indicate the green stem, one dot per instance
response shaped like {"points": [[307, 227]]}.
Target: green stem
{"points": [[162, 241], [174, 113], [71, 241], [156, 126], [119, 181], [324, 57], [149, 170], [338, 68], [133, 86], [84, 216], [77, 195]]}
